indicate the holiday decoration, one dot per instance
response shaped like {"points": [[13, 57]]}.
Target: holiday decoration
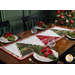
{"points": [[71, 21], [67, 21], [58, 11], [65, 18], [62, 16], [72, 10], [56, 21], [69, 15], [58, 15], [61, 23], [63, 10]]}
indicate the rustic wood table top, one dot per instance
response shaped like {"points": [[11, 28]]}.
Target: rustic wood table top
{"points": [[61, 46]]}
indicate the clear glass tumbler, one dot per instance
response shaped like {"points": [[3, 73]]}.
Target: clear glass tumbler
{"points": [[33, 30], [51, 42]]}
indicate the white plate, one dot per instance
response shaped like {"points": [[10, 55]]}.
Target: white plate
{"points": [[37, 27], [69, 37], [42, 58], [4, 40]]}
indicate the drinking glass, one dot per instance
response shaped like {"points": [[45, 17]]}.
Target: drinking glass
{"points": [[33, 30], [51, 42]]}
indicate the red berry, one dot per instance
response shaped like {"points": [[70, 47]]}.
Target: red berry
{"points": [[9, 34], [40, 24], [46, 54], [50, 51], [6, 35], [43, 50]]}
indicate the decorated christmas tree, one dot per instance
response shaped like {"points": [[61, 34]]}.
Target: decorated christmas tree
{"points": [[65, 18]]}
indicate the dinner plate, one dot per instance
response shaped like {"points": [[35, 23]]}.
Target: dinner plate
{"points": [[42, 58], [40, 28], [69, 37], [4, 40]]}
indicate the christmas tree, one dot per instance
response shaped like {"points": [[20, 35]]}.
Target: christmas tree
{"points": [[65, 18]]}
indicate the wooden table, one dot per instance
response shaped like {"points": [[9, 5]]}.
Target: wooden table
{"points": [[61, 46]]}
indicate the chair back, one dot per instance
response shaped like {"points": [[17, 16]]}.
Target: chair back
{"points": [[4, 27], [29, 21]]}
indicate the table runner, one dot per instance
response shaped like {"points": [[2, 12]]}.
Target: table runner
{"points": [[13, 50]]}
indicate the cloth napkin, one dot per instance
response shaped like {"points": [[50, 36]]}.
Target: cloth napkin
{"points": [[28, 48], [60, 32]]}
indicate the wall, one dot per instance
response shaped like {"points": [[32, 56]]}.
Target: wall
{"points": [[15, 18]]}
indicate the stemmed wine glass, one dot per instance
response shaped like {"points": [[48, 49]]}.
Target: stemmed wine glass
{"points": [[51, 42]]}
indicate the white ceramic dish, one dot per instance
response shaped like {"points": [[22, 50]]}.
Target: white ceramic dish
{"points": [[4, 40], [69, 37], [37, 27], [42, 58]]}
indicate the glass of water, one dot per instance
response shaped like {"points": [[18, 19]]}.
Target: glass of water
{"points": [[51, 42], [33, 30]]}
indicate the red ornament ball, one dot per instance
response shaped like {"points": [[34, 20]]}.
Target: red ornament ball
{"points": [[62, 16], [72, 10], [63, 10], [71, 21], [61, 23], [58, 11], [46, 54]]}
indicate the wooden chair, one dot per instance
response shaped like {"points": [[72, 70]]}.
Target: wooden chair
{"points": [[4, 27], [29, 21]]}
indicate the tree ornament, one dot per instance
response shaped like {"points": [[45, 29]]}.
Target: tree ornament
{"points": [[61, 23], [63, 10], [72, 10], [62, 16], [58, 15], [67, 21], [58, 11], [69, 15], [73, 17], [56, 21], [71, 21], [65, 13]]}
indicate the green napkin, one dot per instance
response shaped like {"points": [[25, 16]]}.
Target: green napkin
{"points": [[38, 48], [43, 25], [64, 32], [29, 48], [10, 38]]}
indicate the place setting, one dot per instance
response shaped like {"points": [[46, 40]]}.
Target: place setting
{"points": [[8, 38], [41, 26], [47, 54]]}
